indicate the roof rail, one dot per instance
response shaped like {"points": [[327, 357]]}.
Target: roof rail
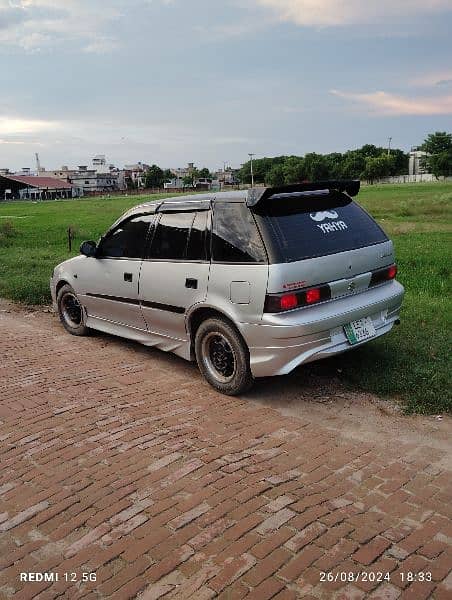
{"points": [[258, 195]]}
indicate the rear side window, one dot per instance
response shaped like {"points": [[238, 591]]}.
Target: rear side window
{"points": [[171, 236], [197, 242], [180, 236], [235, 237], [295, 233]]}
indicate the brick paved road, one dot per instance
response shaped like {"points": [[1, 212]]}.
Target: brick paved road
{"points": [[120, 461]]}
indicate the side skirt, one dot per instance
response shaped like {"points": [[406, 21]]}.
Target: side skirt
{"points": [[179, 347]]}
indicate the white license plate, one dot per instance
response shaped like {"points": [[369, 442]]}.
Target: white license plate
{"points": [[358, 331]]}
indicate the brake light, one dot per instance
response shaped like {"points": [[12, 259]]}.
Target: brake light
{"points": [[313, 296], [288, 301], [382, 275], [392, 272], [275, 303]]}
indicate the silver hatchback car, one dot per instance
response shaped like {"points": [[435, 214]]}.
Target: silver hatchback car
{"points": [[249, 283]]}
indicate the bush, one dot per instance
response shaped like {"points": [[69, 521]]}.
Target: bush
{"points": [[8, 231]]}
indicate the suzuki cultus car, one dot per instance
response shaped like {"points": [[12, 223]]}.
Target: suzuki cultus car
{"points": [[247, 283]]}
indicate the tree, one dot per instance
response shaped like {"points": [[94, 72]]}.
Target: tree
{"points": [[441, 164], [316, 166], [439, 146], [205, 173], [275, 177], [437, 143], [189, 180], [168, 175], [353, 165], [400, 162], [154, 177], [294, 170], [376, 167]]}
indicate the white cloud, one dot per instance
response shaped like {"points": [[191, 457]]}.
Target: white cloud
{"points": [[347, 12], [16, 126], [36, 24], [387, 104]]}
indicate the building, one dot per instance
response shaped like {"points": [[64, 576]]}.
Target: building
{"points": [[227, 177], [88, 180], [135, 175], [31, 187], [418, 163]]}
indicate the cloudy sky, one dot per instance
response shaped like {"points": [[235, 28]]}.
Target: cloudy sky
{"points": [[172, 81]]}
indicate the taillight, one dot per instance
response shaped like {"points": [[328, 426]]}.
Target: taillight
{"points": [[275, 303], [313, 296], [382, 275], [288, 301], [392, 272]]}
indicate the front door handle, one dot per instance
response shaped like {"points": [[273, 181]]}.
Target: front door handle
{"points": [[191, 283], [128, 277]]}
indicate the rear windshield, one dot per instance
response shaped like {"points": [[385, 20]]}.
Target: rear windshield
{"points": [[299, 228]]}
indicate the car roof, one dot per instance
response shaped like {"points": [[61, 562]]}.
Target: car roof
{"points": [[252, 197], [185, 200]]}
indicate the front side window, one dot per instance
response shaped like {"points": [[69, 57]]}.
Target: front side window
{"points": [[127, 240], [235, 237]]}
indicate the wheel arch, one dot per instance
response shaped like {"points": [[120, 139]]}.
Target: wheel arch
{"points": [[200, 314], [59, 285]]}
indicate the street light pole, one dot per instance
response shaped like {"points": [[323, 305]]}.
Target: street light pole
{"points": [[251, 154]]}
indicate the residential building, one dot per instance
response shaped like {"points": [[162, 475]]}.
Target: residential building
{"points": [[417, 162], [87, 180], [135, 175]]}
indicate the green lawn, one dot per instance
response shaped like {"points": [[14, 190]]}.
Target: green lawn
{"points": [[411, 364]]}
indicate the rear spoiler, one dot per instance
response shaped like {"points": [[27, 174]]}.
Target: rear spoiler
{"points": [[258, 195]]}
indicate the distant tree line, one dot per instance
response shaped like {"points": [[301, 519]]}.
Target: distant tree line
{"points": [[369, 162]]}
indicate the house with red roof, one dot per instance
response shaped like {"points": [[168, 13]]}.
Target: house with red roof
{"points": [[31, 187]]}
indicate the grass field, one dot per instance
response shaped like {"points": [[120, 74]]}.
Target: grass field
{"points": [[411, 364]]}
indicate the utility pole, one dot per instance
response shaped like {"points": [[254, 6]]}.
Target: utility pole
{"points": [[389, 145], [251, 154]]}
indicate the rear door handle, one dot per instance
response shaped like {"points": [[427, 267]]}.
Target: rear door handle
{"points": [[191, 283], [128, 277]]}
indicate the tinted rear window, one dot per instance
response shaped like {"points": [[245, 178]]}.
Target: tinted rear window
{"points": [[235, 236], [306, 228]]}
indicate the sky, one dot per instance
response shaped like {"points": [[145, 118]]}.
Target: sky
{"points": [[209, 81]]}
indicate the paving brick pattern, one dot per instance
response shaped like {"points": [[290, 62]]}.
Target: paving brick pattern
{"points": [[122, 463]]}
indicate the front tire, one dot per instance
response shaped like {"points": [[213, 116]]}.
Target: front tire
{"points": [[71, 312], [223, 357]]}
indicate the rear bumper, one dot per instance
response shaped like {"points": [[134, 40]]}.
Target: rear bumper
{"points": [[282, 342]]}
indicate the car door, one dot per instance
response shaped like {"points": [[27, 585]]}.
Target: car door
{"points": [[109, 281], [175, 273]]}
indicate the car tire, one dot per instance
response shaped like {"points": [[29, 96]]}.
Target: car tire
{"points": [[71, 312], [223, 357]]}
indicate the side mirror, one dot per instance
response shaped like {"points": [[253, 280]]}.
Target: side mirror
{"points": [[88, 248]]}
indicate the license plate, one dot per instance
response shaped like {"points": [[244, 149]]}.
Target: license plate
{"points": [[358, 331]]}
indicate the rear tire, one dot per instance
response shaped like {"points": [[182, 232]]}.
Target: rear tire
{"points": [[71, 311], [223, 357]]}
